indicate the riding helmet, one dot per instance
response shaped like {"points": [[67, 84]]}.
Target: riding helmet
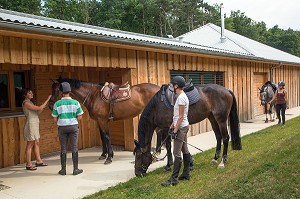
{"points": [[65, 87], [179, 80], [281, 83]]}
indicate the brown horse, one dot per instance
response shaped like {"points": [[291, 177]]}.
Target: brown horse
{"points": [[90, 96], [216, 103]]}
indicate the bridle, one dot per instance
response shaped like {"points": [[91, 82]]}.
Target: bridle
{"points": [[152, 156]]}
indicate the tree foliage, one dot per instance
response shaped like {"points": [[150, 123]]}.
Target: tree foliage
{"points": [[157, 17], [26, 6]]}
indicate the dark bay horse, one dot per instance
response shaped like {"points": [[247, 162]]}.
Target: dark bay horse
{"points": [[216, 103], [90, 96], [267, 92]]}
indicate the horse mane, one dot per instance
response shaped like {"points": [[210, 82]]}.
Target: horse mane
{"points": [[272, 84], [147, 117], [75, 83]]}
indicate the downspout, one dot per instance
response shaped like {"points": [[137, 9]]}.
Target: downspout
{"points": [[272, 68]]}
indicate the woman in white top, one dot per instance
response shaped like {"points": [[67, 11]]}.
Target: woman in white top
{"points": [[180, 127]]}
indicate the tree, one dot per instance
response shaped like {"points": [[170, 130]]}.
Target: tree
{"points": [[28, 6]]}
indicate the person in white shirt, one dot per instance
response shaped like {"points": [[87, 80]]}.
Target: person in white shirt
{"points": [[180, 127]]}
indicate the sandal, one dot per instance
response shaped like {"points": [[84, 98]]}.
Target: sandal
{"points": [[31, 168], [42, 164]]}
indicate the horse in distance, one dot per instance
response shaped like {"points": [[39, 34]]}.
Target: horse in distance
{"points": [[267, 91]]}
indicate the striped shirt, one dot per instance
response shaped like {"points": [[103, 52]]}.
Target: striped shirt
{"points": [[67, 109]]}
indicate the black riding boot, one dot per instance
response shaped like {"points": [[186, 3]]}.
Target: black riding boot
{"points": [[173, 180], [63, 161], [76, 171], [186, 169]]}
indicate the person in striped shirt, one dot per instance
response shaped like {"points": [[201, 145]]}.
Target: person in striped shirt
{"points": [[66, 113]]}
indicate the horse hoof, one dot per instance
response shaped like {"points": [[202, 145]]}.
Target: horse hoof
{"points": [[213, 161], [167, 168], [107, 161], [221, 166], [102, 157]]}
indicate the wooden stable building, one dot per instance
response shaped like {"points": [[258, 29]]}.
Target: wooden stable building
{"points": [[34, 50]]}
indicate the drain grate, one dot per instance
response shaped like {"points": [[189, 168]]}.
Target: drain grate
{"points": [[3, 187]]}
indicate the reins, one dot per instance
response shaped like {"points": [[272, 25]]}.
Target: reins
{"points": [[89, 93], [154, 155]]}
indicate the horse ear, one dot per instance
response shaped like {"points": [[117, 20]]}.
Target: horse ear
{"points": [[59, 79]]}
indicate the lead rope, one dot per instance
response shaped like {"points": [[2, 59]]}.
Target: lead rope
{"points": [[154, 155]]}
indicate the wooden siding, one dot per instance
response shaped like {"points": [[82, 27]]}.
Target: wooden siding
{"points": [[47, 59]]}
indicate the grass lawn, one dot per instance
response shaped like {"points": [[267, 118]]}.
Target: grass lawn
{"points": [[268, 166]]}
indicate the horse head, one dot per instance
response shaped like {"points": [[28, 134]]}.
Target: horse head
{"points": [[263, 95], [143, 158], [56, 95]]}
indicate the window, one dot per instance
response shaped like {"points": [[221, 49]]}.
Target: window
{"points": [[4, 102], [201, 78], [11, 85]]}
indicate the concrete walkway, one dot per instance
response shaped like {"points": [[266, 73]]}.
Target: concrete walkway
{"points": [[16, 182]]}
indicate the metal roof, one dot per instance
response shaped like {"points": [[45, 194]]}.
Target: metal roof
{"points": [[209, 35], [202, 40]]}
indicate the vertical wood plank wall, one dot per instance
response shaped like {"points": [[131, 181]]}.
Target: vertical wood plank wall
{"points": [[48, 59]]}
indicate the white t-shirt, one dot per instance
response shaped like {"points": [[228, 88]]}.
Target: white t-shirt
{"points": [[181, 100]]}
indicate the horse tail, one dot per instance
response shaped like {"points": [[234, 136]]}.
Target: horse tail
{"points": [[234, 125]]}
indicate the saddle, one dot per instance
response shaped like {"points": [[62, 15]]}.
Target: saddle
{"points": [[113, 93], [273, 85]]}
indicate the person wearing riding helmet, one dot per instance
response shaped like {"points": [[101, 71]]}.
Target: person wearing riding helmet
{"points": [[180, 127], [281, 102]]}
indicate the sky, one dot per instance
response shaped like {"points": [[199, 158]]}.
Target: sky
{"points": [[285, 14]]}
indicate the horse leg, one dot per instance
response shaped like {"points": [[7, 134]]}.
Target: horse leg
{"points": [[266, 112], [104, 147], [225, 138], [110, 153], [272, 113], [169, 154], [159, 135], [217, 132]]}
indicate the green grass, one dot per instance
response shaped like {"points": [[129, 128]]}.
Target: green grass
{"points": [[267, 167]]}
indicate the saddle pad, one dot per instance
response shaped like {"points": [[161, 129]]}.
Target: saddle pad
{"points": [[192, 95]]}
